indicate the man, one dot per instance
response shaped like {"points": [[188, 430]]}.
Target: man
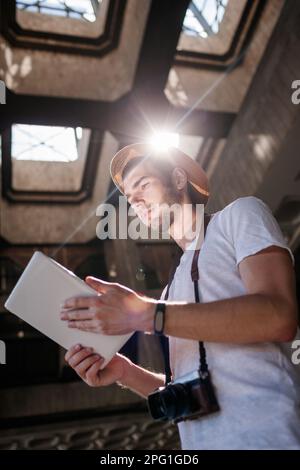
{"points": [[247, 316]]}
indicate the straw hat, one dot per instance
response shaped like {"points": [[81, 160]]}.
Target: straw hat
{"points": [[196, 175]]}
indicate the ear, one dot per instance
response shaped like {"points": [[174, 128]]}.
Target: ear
{"points": [[179, 178]]}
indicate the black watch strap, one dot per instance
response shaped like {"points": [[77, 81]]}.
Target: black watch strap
{"points": [[159, 318]]}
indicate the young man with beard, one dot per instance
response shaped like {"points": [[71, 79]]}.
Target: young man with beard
{"points": [[247, 317]]}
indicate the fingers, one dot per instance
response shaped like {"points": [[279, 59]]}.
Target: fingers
{"points": [[83, 302], [78, 356], [85, 363], [72, 351], [99, 285], [83, 367], [86, 325], [87, 314], [84, 319], [92, 374]]}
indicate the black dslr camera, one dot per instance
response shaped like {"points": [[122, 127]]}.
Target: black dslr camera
{"points": [[184, 399]]}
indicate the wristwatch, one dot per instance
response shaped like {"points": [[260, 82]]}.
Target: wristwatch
{"points": [[159, 318]]}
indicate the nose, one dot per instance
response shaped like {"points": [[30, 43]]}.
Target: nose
{"points": [[135, 199], [136, 206]]}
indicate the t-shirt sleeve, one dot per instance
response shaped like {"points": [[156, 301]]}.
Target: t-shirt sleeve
{"points": [[252, 227]]}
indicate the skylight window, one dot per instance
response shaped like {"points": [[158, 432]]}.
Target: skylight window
{"points": [[76, 9], [45, 143], [203, 17]]}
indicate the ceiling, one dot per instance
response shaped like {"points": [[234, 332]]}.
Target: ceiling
{"points": [[132, 70]]}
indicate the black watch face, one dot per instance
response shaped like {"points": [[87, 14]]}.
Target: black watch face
{"points": [[159, 321]]}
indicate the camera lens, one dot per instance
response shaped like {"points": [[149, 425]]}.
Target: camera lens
{"points": [[176, 400], [156, 406], [169, 403]]}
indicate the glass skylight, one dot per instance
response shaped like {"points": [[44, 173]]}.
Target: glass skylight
{"points": [[203, 17], [45, 143], [77, 9]]}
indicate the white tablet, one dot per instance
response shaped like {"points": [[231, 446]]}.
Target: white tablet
{"points": [[37, 297]]}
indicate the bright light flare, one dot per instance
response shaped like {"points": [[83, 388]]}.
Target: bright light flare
{"points": [[161, 141]]}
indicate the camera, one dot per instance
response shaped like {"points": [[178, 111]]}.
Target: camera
{"points": [[189, 397]]}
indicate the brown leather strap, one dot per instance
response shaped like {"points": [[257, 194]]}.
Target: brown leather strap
{"points": [[203, 368]]}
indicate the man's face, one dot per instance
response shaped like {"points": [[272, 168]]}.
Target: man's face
{"points": [[148, 194]]}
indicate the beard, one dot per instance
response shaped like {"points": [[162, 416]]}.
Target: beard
{"points": [[160, 220], [161, 216]]}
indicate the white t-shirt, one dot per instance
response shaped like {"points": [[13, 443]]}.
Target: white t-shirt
{"points": [[257, 385]]}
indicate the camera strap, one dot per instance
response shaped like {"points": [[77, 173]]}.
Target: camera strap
{"points": [[203, 367]]}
